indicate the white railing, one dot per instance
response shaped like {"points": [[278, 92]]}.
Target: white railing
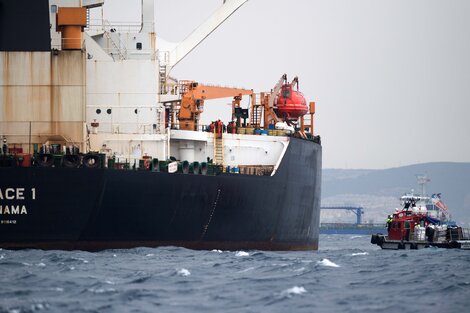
{"points": [[99, 25], [125, 128]]}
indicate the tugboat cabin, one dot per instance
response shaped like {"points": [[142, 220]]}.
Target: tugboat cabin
{"points": [[403, 225]]}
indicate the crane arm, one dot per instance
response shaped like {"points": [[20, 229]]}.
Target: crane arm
{"points": [[295, 82], [206, 92], [276, 90], [205, 29], [194, 95]]}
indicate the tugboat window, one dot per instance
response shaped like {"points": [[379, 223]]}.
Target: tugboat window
{"points": [[108, 111], [138, 46], [98, 111]]}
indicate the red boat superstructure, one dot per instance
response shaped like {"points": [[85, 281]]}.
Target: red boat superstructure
{"points": [[405, 223]]}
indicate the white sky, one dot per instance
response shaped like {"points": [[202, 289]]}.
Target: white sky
{"points": [[391, 79]]}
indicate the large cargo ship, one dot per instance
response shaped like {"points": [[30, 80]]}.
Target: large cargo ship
{"points": [[102, 148]]}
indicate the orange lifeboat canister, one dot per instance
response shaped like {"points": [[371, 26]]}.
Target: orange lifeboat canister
{"points": [[291, 104]]}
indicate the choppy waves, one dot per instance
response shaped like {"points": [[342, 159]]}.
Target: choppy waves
{"points": [[347, 274]]}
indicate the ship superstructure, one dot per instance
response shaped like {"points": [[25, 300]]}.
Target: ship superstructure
{"points": [[91, 104]]}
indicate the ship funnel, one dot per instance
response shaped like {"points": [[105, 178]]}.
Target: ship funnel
{"points": [[148, 17], [71, 22]]}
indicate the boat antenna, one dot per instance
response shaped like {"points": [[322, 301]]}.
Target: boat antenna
{"points": [[422, 181]]}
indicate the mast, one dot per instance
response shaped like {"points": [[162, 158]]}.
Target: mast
{"points": [[422, 182]]}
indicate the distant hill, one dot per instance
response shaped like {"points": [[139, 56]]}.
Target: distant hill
{"points": [[378, 190]]}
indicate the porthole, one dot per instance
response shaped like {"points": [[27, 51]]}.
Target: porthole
{"points": [[108, 111], [135, 111], [98, 111]]}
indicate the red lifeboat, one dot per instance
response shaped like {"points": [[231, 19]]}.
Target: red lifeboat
{"points": [[291, 103]]}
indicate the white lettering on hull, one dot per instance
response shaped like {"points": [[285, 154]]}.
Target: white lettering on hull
{"points": [[13, 210], [10, 210], [15, 193]]}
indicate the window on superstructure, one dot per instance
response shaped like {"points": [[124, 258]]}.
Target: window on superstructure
{"points": [[138, 46], [53, 8]]}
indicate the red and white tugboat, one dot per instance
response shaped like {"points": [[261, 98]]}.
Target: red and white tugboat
{"points": [[422, 222]]}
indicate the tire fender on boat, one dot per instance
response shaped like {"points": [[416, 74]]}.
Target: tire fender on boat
{"points": [[91, 161], [373, 239], [380, 240], [45, 160], [71, 161]]}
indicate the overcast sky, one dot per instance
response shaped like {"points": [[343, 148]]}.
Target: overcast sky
{"points": [[391, 79]]}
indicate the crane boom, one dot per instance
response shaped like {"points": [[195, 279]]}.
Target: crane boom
{"points": [[204, 30], [193, 96], [276, 90], [207, 92]]}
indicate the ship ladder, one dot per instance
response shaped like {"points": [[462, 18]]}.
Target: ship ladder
{"points": [[162, 74], [218, 148], [256, 112], [117, 46], [256, 116]]}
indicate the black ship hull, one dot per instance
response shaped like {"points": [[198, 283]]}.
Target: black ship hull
{"points": [[95, 209]]}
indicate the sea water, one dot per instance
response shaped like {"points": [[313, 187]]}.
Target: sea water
{"points": [[347, 274]]}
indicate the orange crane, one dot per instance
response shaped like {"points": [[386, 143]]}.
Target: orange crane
{"points": [[193, 96]]}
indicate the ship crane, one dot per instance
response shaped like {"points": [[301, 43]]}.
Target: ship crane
{"points": [[193, 96], [270, 115], [358, 211]]}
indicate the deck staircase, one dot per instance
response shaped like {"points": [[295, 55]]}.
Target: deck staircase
{"points": [[162, 78], [256, 112], [256, 115], [218, 149], [116, 45]]}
